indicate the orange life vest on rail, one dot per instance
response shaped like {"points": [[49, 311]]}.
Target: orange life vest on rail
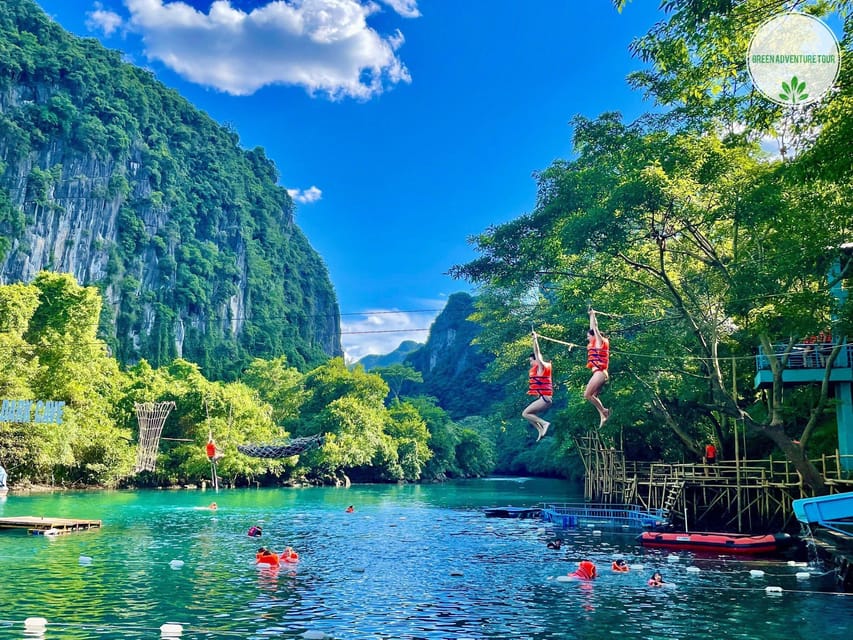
{"points": [[540, 383], [598, 358]]}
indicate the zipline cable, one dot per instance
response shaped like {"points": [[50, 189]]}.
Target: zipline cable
{"points": [[572, 345]]}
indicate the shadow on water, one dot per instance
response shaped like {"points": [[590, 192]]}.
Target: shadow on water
{"points": [[412, 561]]}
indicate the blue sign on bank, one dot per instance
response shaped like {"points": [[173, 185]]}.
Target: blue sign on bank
{"points": [[49, 411]]}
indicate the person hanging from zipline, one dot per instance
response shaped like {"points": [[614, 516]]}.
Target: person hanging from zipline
{"points": [[598, 359], [213, 452], [541, 386]]}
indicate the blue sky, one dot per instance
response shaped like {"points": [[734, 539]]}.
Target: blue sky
{"points": [[402, 127]]}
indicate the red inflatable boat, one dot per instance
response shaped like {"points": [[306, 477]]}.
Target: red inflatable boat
{"points": [[717, 542]]}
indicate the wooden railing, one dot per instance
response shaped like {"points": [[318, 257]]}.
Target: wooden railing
{"points": [[766, 471]]}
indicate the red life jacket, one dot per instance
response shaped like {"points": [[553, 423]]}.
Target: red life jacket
{"points": [[598, 358], [585, 571], [211, 449], [540, 383]]}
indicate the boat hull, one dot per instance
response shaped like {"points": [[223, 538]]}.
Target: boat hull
{"points": [[717, 542]]}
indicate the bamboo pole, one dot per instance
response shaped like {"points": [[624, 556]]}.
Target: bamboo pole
{"points": [[737, 446]]}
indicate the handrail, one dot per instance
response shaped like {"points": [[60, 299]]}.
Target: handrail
{"points": [[808, 355], [769, 470]]}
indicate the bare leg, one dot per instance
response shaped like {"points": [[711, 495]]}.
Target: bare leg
{"points": [[596, 382], [530, 414]]}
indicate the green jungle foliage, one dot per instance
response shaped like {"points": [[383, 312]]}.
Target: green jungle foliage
{"points": [[697, 244], [49, 350], [201, 222]]}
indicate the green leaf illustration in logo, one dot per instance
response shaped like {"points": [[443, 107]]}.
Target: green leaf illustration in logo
{"points": [[794, 92]]}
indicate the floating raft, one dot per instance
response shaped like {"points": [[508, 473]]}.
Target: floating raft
{"points": [[717, 542], [42, 526], [513, 512]]}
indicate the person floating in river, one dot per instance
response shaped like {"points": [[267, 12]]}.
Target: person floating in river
{"points": [[656, 580], [586, 571], [598, 359], [620, 565], [541, 386]]}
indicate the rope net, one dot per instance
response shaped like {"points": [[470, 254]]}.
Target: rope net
{"points": [[284, 449], [151, 416]]}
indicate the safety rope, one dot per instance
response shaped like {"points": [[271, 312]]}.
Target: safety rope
{"points": [[572, 345]]}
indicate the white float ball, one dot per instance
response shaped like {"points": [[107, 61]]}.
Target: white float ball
{"points": [[35, 623]]}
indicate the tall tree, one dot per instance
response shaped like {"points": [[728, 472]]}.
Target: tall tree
{"points": [[698, 233]]}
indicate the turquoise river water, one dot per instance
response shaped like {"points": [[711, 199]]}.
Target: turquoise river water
{"points": [[411, 562]]}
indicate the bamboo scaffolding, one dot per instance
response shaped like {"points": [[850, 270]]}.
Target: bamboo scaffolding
{"points": [[746, 493]]}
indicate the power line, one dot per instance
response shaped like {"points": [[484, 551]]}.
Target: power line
{"points": [[378, 313], [352, 333]]}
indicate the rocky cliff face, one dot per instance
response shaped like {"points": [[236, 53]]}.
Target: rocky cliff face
{"points": [[189, 238], [451, 365]]}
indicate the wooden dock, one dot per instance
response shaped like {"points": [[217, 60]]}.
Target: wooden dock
{"points": [[740, 495], [44, 526]]}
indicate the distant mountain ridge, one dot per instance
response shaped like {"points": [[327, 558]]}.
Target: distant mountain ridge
{"points": [[397, 356]]}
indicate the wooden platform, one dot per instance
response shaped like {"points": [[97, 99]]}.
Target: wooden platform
{"points": [[513, 512], [45, 526]]}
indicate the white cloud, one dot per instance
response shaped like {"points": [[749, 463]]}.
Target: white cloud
{"points": [[406, 8], [102, 20], [381, 331], [324, 46], [310, 195]]}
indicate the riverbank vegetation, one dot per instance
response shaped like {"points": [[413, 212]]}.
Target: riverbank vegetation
{"points": [[715, 226], [49, 350]]}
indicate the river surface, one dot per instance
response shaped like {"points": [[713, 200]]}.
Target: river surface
{"points": [[410, 562]]}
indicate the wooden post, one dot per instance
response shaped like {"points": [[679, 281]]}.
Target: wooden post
{"points": [[737, 447]]}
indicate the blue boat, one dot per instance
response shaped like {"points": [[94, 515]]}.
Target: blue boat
{"points": [[627, 517], [833, 512]]}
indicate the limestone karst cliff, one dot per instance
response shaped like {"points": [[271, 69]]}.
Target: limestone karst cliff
{"points": [[107, 174], [451, 364]]}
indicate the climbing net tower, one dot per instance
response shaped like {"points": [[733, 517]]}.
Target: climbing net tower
{"points": [[151, 416]]}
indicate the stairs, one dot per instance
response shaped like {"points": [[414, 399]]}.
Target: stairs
{"points": [[673, 493]]}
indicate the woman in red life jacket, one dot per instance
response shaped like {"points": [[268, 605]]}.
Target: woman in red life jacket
{"points": [[541, 386], [710, 453], [586, 571], [620, 566], [597, 359], [656, 580], [212, 451]]}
